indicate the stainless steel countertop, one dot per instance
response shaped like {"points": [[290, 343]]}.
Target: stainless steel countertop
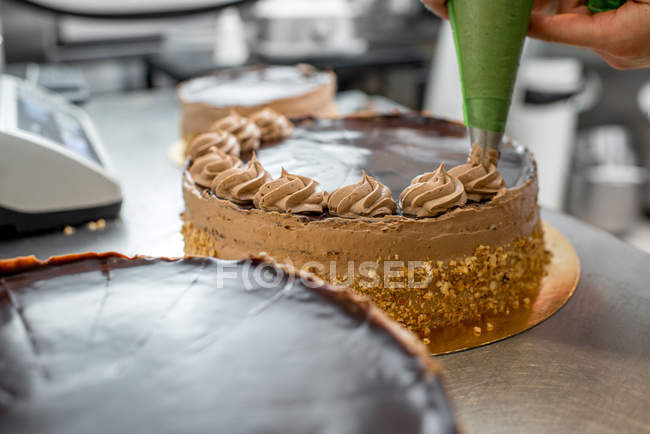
{"points": [[586, 369]]}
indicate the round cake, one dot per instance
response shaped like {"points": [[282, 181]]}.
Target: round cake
{"points": [[387, 205], [293, 91], [101, 343]]}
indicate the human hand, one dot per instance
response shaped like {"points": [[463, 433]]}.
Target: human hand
{"points": [[620, 36]]}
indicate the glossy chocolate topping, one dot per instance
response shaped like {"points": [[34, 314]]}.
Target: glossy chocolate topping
{"points": [[393, 149], [106, 344], [432, 194]]}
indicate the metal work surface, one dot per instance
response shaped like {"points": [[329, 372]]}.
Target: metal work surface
{"points": [[586, 369]]}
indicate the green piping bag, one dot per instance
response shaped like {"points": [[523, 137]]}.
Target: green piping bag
{"points": [[489, 36]]}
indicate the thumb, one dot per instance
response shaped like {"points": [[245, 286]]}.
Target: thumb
{"points": [[572, 29]]}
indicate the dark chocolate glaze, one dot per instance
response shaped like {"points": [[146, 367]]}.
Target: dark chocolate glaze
{"points": [[253, 85], [392, 148], [104, 343]]}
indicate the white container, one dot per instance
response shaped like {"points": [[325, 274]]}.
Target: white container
{"points": [[548, 129]]}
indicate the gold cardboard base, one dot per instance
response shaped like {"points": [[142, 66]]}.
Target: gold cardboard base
{"points": [[555, 290]]}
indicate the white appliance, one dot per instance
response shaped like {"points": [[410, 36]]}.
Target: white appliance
{"points": [[53, 168], [444, 95], [548, 125], [289, 29]]}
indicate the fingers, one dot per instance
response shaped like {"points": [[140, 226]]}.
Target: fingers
{"points": [[573, 6], [545, 6], [438, 7], [551, 7], [622, 63], [573, 28]]}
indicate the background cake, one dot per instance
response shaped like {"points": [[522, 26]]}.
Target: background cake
{"points": [[293, 91], [473, 248]]}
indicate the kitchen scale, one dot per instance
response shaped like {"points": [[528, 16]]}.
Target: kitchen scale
{"points": [[53, 168]]}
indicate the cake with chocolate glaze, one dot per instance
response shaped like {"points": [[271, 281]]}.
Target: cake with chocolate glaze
{"points": [[101, 343], [388, 205], [293, 91]]}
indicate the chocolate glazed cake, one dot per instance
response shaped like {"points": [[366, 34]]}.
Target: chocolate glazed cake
{"points": [[466, 241], [105, 343]]}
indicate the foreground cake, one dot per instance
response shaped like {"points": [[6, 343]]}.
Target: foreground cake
{"points": [[104, 343], [465, 243], [293, 91]]}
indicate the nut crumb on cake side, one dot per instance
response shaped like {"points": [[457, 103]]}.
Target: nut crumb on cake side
{"points": [[493, 281]]}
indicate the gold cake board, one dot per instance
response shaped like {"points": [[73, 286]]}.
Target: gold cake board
{"points": [[555, 290]]}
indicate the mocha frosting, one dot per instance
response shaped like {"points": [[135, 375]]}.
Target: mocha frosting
{"points": [[245, 130], [432, 194], [240, 184], [477, 154], [481, 181], [273, 125], [205, 168], [206, 143], [291, 193], [367, 198]]}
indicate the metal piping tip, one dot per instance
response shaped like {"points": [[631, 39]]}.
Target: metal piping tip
{"points": [[485, 145]]}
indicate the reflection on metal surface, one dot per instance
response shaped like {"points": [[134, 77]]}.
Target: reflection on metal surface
{"points": [[556, 289]]}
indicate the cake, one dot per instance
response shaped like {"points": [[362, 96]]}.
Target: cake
{"points": [[387, 205], [293, 91], [103, 343]]}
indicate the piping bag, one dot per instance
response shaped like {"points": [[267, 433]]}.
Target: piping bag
{"points": [[489, 36]]}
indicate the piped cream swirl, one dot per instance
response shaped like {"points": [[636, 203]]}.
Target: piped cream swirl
{"points": [[367, 198], [273, 125], [208, 142], [432, 194], [205, 168], [481, 181], [240, 184], [291, 193], [245, 130]]}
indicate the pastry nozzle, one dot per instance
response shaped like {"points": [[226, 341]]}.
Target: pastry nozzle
{"points": [[486, 145], [489, 37]]}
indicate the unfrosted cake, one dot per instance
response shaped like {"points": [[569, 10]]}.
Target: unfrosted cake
{"points": [[388, 205], [293, 91]]}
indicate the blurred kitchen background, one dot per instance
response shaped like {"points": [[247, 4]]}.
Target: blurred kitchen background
{"points": [[588, 124]]}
